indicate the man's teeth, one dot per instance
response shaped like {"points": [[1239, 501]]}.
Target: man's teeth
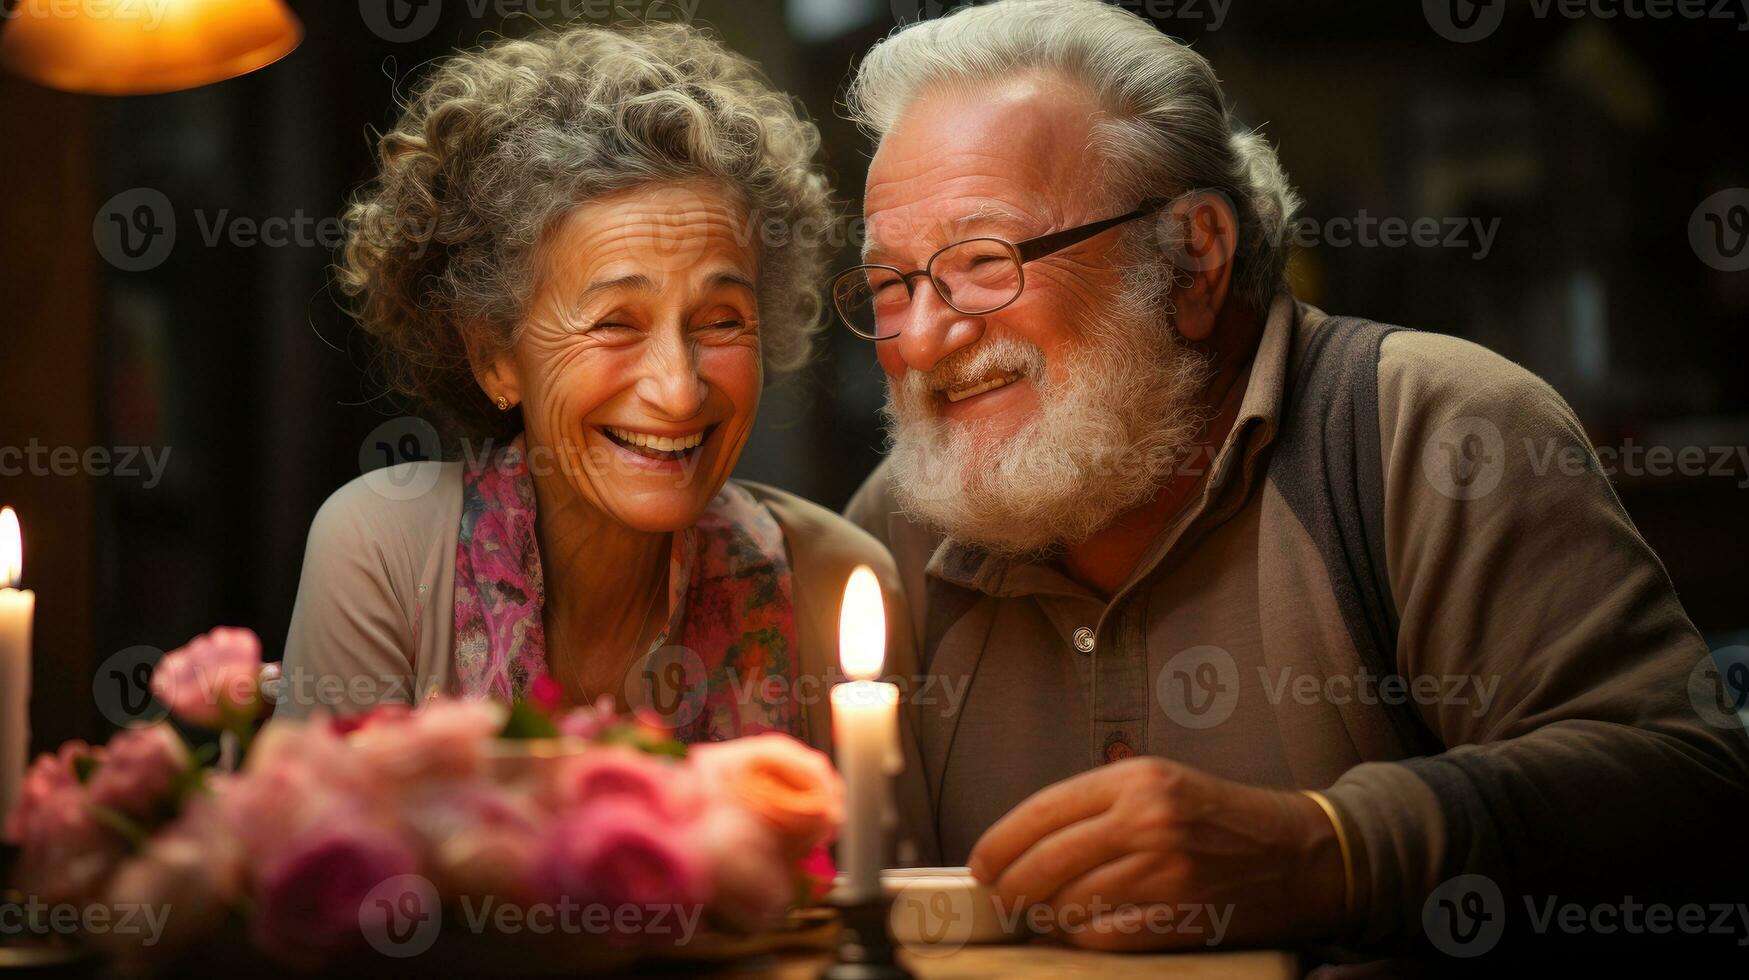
{"points": [[662, 444], [988, 384]]}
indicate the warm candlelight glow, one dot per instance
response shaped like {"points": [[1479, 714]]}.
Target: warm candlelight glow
{"points": [[11, 549], [862, 626]]}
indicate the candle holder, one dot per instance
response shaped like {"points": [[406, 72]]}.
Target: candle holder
{"points": [[865, 948]]}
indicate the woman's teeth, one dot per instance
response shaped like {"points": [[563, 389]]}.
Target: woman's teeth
{"points": [[997, 380], [659, 444]]}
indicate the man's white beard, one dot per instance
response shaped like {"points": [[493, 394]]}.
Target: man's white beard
{"points": [[1101, 442]]}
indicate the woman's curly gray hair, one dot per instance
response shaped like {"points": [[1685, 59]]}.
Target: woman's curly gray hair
{"points": [[498, 143]]}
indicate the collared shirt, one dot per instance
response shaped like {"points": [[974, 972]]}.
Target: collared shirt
{"points": [[1539, 635]]}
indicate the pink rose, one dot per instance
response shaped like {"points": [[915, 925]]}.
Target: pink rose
{"points": [[311, 898], [377, 715], [445, 738], [139, 773], [620, 772], [546, 694], [778, 778], [614, 856], [212, 680], [298, 776], [751, 884], [50, 776], [588, 721], [818, 870], [65, 854], [483, 840], [193, 871]]}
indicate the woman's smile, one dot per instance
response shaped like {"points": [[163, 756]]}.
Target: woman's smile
{"points": [[674, 450]]}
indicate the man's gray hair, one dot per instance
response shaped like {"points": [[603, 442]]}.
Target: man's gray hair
{"points": [[1168, 128]]}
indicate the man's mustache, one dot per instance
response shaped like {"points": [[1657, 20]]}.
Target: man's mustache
{"points": [[973, 364]]}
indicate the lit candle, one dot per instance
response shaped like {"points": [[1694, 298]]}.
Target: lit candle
{"points": [[865, 733], [16, 609]]}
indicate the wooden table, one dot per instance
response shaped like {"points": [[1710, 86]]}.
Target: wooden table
{"points": [[1046, 960]]}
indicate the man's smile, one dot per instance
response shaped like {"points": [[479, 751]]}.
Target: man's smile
{"points": [[991, 382]]}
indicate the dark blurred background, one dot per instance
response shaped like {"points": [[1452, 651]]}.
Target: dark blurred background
{"points": [[1590, 146]]}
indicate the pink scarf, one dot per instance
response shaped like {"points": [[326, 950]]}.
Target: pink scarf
{"points": [[733, 671]]}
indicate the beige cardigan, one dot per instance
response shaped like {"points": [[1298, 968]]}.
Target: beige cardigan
{"points": [[374, 620]]}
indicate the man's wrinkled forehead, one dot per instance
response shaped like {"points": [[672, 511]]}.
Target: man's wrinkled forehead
{"points": [[1000, 158]]}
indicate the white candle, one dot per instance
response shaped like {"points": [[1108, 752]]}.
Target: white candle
{"points": [[865, 730], [16, 609]]}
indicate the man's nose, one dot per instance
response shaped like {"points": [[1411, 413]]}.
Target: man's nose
{"points": [[671, 385], [932, 329]]}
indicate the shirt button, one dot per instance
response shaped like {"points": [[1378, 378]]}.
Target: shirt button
{"points": [[1084, 639], [1117, 750]]}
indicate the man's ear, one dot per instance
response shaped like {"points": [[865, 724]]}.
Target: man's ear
{"points": [[1205, 227]]}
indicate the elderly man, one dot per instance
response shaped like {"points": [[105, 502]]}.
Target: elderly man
{"points": [[1245, 606]]}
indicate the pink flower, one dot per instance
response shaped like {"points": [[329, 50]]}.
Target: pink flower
{"points": [[298, 776], [482, 839], [48, 778], [139, 773], [588, 721], [778, 778], [65, 854], [213, 679], [193, 871], [819, 870], [312, 898], [612, 855], [751, 884], [619, 772], [445, 738], [380, 714], [546, 694]]}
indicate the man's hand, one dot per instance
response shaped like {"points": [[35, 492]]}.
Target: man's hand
{"points": [[1121, 853]]}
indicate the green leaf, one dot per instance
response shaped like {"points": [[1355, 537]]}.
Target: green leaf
{"points": [[527, 721], [83, 767]]}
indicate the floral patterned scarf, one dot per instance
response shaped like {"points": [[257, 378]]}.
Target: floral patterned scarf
{"points": [[728, 603]]}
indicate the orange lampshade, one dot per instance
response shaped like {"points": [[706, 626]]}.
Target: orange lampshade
{"points": [[136, 47]]}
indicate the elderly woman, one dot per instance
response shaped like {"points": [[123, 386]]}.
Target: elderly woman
{"points": [[570, 257]]}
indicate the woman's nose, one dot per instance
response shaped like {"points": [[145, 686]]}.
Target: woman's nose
{"points": [[932, 329], [671, 385]]}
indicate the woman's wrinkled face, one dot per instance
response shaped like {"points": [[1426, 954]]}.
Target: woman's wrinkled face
{"points": [[638, 367]]}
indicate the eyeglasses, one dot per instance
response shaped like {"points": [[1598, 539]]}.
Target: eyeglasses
{"points": [[973, 277]]}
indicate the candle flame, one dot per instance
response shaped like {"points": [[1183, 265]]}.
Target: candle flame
{"points": [[11, 549], [862, 626]]}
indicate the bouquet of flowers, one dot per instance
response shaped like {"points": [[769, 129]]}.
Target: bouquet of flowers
{"points": [[329, 828]]}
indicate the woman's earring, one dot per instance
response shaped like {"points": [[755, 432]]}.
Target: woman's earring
{"points": [[503, 403]]}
